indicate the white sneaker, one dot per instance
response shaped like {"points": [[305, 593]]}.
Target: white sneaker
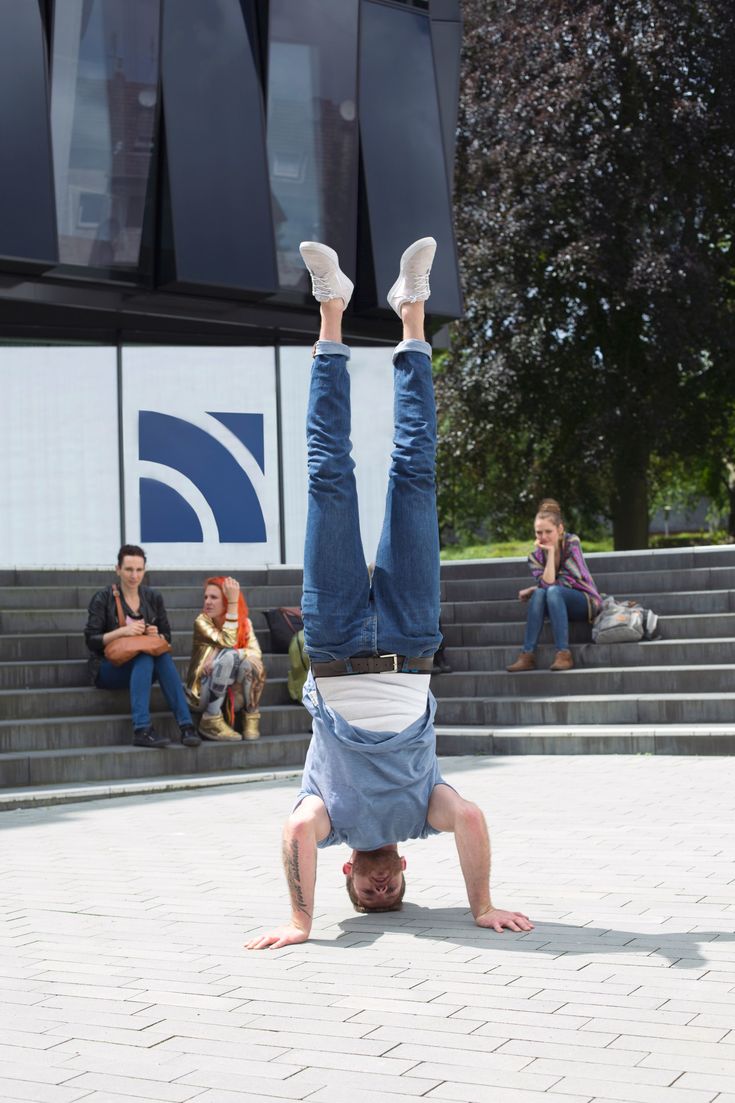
{"points": [[412, 285], [328, 281]]}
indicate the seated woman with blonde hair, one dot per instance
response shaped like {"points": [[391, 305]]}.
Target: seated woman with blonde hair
{"points": [[226, 663], [564, 590]]}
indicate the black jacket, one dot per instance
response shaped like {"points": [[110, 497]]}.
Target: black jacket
{"points": [[102, 618]]}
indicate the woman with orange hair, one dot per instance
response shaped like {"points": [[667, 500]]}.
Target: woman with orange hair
{"points": [[226, 663]]}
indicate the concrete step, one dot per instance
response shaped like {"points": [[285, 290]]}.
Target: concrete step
{"points": [[650, 559], [18, 704], [75, 672], [589, 682], [704, 652], [66, 732], [95, 579], [679, 604], [57, 767], [678, 739], [21, 621], [687, 626], [29, 647], [42, 796], [629, 709], [175, 597], [622, 584]]}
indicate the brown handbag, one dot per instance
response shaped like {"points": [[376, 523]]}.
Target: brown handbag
{"points": [[125, 648]]}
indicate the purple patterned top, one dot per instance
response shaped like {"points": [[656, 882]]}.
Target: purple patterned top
{"points": [[573, 572]]}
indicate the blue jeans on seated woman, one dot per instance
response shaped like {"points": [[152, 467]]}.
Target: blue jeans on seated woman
{"points": [[138, 675], [561, 604], [344, 614]]}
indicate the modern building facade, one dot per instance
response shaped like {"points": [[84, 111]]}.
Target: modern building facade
{"points": [[161, 162]]}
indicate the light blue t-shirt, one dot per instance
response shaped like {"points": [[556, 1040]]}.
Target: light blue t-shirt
{"points": [[376, 786]]}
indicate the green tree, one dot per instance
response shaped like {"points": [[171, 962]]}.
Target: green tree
{"points": [[595, 217]]}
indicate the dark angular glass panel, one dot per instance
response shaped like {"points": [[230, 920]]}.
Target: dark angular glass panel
{"points": [[312, 130], [220, 211], [104, 96], [445, 9], [447, 38], [27, 218], [405, 169]]}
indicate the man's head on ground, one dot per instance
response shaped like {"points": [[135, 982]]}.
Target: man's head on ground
{"points": [[374, 879]]}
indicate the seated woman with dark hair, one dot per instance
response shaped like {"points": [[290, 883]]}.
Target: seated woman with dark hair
{"points": [[145, 616], [564, 590], [226, 663]]}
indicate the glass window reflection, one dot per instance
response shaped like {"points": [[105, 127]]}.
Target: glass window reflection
{"points": [[312, 130], [104, 92]]}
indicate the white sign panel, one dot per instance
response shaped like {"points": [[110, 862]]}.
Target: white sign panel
{"points": [[201, 455], [60, 491]]}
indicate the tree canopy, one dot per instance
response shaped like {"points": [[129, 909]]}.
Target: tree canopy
{"points": [[595, 219]]}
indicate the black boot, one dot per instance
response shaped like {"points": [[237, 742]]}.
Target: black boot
{"points": [[189, 736], [147, 737]]}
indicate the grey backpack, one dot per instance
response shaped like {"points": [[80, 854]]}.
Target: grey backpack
{"points": [[619, 622]]}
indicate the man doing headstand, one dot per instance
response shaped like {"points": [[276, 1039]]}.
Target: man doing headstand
{"points": [[371, 777]]}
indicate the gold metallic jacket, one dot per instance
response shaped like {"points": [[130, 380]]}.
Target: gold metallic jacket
{"points": [[208, 638]]}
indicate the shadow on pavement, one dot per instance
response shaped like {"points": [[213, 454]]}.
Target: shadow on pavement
{"points": [[682, 949]]}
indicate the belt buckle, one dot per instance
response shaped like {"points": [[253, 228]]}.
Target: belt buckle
{"points": [[395, 657]]}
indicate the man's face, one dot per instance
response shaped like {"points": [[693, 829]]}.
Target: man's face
{"points": [[377, 876]]}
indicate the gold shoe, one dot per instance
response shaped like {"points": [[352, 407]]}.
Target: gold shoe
{"points": [[251, 727], [217, 728]]}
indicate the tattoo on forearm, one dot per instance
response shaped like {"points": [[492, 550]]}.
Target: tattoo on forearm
{"points": [[293, 876]]}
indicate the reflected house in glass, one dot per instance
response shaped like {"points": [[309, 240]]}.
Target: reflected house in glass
{"points": [[104, 93], [163, 159]]}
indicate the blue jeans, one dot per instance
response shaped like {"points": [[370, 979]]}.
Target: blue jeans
{"points": [[561, 604], [344, 614], [138, 675]]}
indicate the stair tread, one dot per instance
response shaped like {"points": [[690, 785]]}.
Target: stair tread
{"points": [[129, 749]]}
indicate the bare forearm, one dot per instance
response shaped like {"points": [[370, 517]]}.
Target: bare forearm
{"points": [[299, 864], [549, 575], [473, 846]]}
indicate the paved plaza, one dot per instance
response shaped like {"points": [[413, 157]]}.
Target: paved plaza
{"points": [[123, 974]]}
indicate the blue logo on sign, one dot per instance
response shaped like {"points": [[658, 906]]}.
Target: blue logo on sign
{"points": [[207, 463]]}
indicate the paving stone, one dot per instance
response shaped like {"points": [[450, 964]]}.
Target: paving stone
{"points": [[127, 1086], [632, 1093], [482, 1074], [38, 1092], [476, 1093]]}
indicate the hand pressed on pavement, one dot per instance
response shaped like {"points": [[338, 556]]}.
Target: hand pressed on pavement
{"points": [[497, 919], [289, 935]]}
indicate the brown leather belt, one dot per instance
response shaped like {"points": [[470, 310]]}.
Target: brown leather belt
{"points": [[373, 664]]}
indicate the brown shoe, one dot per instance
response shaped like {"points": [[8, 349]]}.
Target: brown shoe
{"points": [[525, 661], [251, 725], [563, 661], [217, 729]]}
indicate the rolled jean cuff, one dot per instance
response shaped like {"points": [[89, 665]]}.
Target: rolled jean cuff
{"points": [[331, 348], [412, 345]]}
